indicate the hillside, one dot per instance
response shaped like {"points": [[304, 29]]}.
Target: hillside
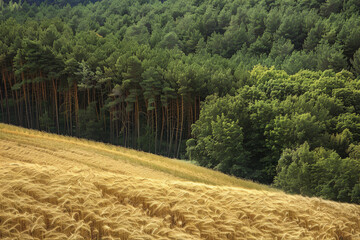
{"points": [[134, 72], [266, 90], [56, 187]]}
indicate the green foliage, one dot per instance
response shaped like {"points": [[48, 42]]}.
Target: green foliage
{"points": [[288, 131], [225, 147], [324, 34], [306, 111], [294, 170], [319, 172], [356, 62], [329, 57], [243, 80]]}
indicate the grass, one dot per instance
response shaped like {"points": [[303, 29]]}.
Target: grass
{"points": [[179, 169], [57, 187]]}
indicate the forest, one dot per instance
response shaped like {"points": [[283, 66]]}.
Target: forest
{"points": [[267, 90]]}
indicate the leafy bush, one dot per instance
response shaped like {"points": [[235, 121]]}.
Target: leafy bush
{"points": [[319, 172]]}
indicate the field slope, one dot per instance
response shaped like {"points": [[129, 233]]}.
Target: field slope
{"points": [[56, 187]]}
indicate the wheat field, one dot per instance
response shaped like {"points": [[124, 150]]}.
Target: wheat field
{"points": [[56, 187]]}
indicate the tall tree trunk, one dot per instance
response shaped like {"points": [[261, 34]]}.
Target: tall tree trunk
{"points": [[127, 142], [31, 101], [18, 106], [96, 105], [15, 95], [110, 126], [171, 127], [177, 126], [195, 111], [70, 111], [66, 112], [56, 105], [76, 109], [156, 126], [137, 120], [101, 106], [88, 96], [162, 126], [25, 96], [26, 107], [182, 125], [190, 119], [6, 95], [37, 109], [2, 104]]}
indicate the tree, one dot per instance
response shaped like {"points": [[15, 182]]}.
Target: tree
{"points": [[170, 41], [291, 131], [356, 62], [139, 73], [294, 171], [319, 172], [280, 50], [291, 28], [225, 147], [314, 36], [151, 87], [132, 79], [138, 33], [299, 60], [331, 6], [330, 57]]}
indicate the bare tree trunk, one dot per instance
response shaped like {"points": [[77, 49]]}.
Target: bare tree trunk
{"points": [[31, 102], [171, 129], [76, 109], [137, 120], [56, 106], [182, 125], [37, 105], [162, 126], [177, 126], [2, 107], [25, 96], [26, 107], [15, 96], [6, 96], [190, 119], [70, 110], [156, 127], [88, 96]]}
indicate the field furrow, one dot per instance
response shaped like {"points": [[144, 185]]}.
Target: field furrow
{"points": [[66, 192]]}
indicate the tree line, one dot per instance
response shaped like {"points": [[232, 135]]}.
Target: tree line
{"points": [[301, 129], [141, 73]]}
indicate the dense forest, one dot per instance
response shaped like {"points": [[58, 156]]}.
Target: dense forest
{"points": [[267, 90]]}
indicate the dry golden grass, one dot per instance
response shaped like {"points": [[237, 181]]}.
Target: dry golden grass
{"points": [[44, 148], [54, 187]]}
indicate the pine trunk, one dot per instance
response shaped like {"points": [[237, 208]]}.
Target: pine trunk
{"points": [[156, 127], [137, 120], [177, 126], [182, 125], [162, 127], [76, 109], [56, 106], [25, 96], [6, 96], [2, 103]]}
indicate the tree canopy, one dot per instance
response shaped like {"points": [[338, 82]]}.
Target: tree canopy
{"points": [[302, 129]]}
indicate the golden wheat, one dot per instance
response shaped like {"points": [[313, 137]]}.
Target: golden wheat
{"points": [[54, 187], [40, 147]]}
